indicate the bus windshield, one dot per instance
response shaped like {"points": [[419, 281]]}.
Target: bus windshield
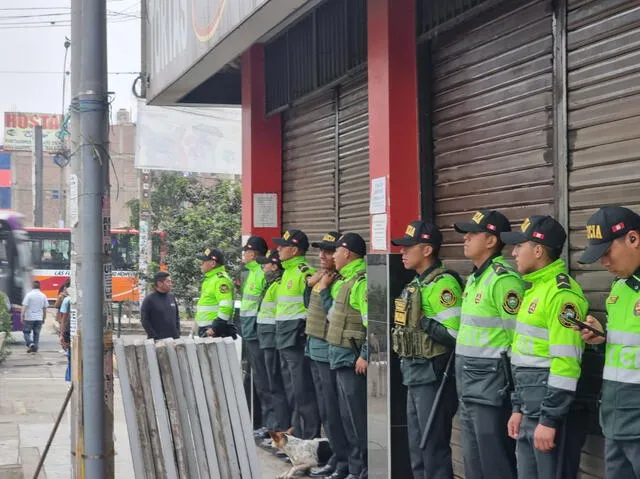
{"points": [[50, 250], [124, 251]]}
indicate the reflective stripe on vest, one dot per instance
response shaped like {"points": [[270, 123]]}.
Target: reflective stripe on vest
{"points": [[267, 314], [290, 308], [206, 315]]}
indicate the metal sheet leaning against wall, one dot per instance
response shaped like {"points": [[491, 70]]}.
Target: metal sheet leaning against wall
{"points": [[353, 157], [492, 119], [309, 167]]}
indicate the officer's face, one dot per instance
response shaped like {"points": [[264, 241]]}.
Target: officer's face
{"points": [[341, 257], [248, 256], [619, 257], [526, 255], [326, 259], [413, 257], [269, 267], [476, 245], [286, 252], [206, 266]]}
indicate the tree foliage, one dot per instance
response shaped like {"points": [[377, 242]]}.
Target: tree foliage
{"points": [[193, 218]]}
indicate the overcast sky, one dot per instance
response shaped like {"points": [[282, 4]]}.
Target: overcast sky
{"points": [[32, 54]]}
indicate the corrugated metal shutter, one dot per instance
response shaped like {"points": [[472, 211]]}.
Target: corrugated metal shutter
{"points": [[309, 166], [492, 119], [603, 45], [353, 150], [603, 63]]}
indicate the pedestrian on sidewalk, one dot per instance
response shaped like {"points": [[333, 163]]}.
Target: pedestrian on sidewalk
{"points": [[159, 310], [34, 312], [64, 314], [63, 294]]}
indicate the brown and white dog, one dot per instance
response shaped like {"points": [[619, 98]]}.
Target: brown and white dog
{"points": [[303, 453]]}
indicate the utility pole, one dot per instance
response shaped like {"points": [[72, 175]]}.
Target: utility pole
{"points": [[37, 175], [93, 106], [72, 214]]}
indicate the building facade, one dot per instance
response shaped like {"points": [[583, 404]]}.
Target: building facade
{"points": [[363, 115]]}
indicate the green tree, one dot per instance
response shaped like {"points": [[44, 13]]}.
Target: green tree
{"points": [[193, 218]]}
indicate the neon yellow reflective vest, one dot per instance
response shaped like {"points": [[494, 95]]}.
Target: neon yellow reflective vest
{"points": [[291, 312], [266, 320], [216, 298], [251, 295], [620, 408], [490, 303], [547, 351]]}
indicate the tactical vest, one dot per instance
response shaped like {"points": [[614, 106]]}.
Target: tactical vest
{"points": [[409, 339], [346, 322], [317, 324]]}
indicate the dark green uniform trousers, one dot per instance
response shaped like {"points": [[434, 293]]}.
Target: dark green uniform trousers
{"points": [[622, 459]]}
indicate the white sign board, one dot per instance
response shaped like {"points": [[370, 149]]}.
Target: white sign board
{"points": [[379, 232], [265, 210], [199, 140]]}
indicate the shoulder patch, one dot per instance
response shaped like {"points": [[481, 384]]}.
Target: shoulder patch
{"points": [[447, 297], [512, 301], [568, 312], [224, 288], [563, 282], [220, 274], [303, 267], [499, 268]]}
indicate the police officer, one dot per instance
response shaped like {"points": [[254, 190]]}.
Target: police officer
{"points": [[318, 301], [427, 317], [252, 290], [266, 332], [291, 315], [613, 234], [490, 302], [215, 306], [546, 351], [348, 352]]}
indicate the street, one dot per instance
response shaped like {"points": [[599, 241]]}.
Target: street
{"points": [[32, 390]]}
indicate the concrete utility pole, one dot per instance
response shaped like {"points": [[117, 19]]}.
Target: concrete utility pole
{"points": [[93, 107], [38, 167], [72, 218]]}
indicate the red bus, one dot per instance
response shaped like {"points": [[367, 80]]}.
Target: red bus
{"points": [[51, 259]]}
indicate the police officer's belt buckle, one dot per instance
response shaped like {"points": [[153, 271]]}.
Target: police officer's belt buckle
{"points": [[400, 316]]}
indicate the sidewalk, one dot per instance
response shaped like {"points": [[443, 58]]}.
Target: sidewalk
{"points": [[32, 390]]}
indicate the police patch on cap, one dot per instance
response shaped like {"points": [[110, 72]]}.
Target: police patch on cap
{"points": [[568, 314], [447, 298], [512, 302], [224, 288]]}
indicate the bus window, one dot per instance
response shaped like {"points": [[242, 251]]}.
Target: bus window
{"points": [[50, 253], [124, 252]]}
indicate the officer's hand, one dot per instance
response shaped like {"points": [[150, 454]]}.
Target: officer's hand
{"points": [[544, 438], [589, 337], [210, 332], [513, 426], [361, 366], [313, 280], [232, 331], [327, 279]]}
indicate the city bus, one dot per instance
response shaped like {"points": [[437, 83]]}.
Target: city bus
{"points": [[50, 250]]}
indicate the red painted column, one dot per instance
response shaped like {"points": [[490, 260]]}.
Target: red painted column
{"points": [[393, 110], [261, 145]]}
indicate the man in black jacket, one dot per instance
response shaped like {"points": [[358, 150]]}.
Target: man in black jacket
{"points": [[159, 310]]}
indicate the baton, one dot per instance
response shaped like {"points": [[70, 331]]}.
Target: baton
{"points": [[436, 402], [356, 350]]}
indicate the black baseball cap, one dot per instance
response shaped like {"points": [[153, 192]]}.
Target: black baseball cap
{"points": [[293, 238], [327, 242], [256, 243], [211, 253], [488, 221], [272, 256], [353, 242], [419, 232], [606, 225], [539, 229]]}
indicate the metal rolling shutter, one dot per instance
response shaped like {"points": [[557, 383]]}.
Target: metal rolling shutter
{"points": [[353, 153], [309, 166], [492, 119], [603, 45]]}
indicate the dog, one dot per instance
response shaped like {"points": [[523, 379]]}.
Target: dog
{"points": [[303, 453]]}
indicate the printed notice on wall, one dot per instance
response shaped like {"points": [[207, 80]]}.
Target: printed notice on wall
{"points": [[379, 232], [265, 210], [378, 200], [73, 197]]}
